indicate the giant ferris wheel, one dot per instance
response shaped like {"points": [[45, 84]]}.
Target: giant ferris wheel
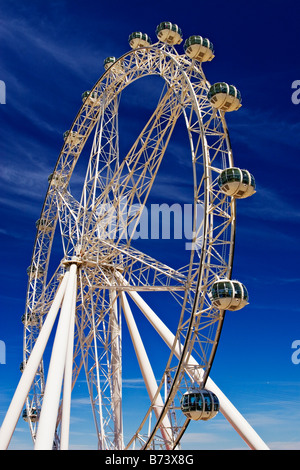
{"points": [[96, 300]]}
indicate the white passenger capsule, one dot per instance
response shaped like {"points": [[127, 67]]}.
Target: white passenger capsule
{"points": [[88, 97], [33, 270], [138, 39], [32, 415], [237, 183], [199, 404], [72, 138], [108, 62], [115, 67], [31, 319], [199, 48], [56, 180], [228, 295], [44, 225], [225, 97], [169, 33]]}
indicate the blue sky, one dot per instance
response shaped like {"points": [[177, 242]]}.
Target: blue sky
{"points": [[52, 51]]}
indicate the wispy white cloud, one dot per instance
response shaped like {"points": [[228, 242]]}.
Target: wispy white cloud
{"points": [[270, 204], [263, 127], [17, 32], [134, 383], [289, 445], [198, 437]]}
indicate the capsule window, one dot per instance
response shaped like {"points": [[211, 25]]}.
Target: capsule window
{"points": [[222, 290], [245, 177], [208, 402], [232, 174], [246, 295], [232, 91], [238, 291], [216, 403]]}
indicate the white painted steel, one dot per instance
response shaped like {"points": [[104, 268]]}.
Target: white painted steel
{"points": [[68, 372], [116, 370], [48, 417]]}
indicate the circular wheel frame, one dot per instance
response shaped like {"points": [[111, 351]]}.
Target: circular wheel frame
{"points": [[98, 229]]}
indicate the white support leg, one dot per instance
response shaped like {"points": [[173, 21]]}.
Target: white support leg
{"points": [[233, 416], [48, 417], [116, 368], [67, 390], [23, 388], [146, 368]]}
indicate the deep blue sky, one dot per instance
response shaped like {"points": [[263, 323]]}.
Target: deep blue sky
{"points": [[52, 51]]}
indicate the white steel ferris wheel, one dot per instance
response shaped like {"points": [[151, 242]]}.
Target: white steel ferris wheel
{"points": [[99, 284]]}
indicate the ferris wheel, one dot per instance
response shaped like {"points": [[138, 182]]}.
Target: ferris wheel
{"points": [[114, 303]]}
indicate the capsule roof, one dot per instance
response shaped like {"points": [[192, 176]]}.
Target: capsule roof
{"points": [[229, 288], [192, 40], [199, 404], [138, 39], [236, 183], [229, 295], [222, 87], [31, 270], [109, 61], [234, 174], [33, 415], [168, 25], [169, 33], [44, 224], [89, 96]]}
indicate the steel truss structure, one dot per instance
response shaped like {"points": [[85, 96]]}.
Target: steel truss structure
{"points": [[98, 283]]}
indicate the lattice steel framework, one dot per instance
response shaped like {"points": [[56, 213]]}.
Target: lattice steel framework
{"points": [[110, 275]]}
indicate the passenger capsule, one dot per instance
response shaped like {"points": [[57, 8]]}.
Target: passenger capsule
{"points": [[228, 295], [32, 319], [56, 180], [50, 178], [32, 416], [116, 67], [89, 97], [199, 404], [44, 225], [108, 62], [199, 48], [169, 33], [33, 270], [72, 138], [225, 97], [236, 182], [138, 39]]}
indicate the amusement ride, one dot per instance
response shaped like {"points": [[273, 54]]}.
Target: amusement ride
{"points": [[92, 290]]}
